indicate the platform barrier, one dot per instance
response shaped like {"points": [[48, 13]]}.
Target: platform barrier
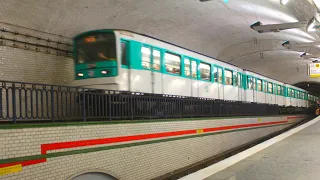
{"points": [[21, 102]]}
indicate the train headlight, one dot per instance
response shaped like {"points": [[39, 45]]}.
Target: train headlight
{"points": [[80, 74], [104, 72]]}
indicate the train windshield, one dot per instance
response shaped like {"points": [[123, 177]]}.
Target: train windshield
{"points": [[96, 47]]}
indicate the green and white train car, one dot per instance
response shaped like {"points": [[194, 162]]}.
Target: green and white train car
{"points": [[261, 89], [296, 96], [127, 61]]}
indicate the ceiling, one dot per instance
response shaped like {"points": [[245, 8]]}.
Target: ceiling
{"points": [[215, 28]]}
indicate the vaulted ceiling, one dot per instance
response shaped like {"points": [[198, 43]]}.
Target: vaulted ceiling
{"points": [[215, 28]]}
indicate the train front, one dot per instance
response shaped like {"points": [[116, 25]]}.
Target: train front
{"points": [[96, 64]]}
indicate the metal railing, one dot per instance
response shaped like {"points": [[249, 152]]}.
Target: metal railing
{"points": [[21, 102]]}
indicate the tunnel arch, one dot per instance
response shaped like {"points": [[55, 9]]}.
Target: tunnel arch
{"points": [[93, 174]]}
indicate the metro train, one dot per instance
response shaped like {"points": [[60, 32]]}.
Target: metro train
{"points": [[128, 61]]}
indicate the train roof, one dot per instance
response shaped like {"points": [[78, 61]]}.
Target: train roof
{"points": [[102, 30]]}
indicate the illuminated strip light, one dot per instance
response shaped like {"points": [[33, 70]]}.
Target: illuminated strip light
{"points": [[284, 2], [311, 25]]}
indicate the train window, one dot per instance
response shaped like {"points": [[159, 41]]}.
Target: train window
{"points": [[194, 69], [172, 62], [282, 90], [254, 82], [264, 86], [270, 87], [187, 69], [249, 83], [124, 53], [228, 77], [156, 59], [259, 83], [145, 57], [205, 71], [279, 90], [239, 80]]}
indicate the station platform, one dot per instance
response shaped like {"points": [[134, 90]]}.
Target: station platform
{"points": [[293, 155]]}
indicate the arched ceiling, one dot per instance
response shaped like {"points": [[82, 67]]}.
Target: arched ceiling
{"points": [[214, 28]]}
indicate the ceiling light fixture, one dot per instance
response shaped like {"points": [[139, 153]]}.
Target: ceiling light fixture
{"points": [[284, 2], [311, 25]]}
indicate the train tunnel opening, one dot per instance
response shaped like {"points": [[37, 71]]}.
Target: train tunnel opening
{"points": [[94, 176]]}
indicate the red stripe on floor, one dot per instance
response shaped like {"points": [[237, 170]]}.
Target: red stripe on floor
{"points": [[240, 126], [294, 117], [82, 143], [73, 144]]}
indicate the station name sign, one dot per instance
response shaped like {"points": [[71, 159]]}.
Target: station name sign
{"points": [[314, 70]]}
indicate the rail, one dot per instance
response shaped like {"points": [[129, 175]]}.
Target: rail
{"points": [[25, 102]]}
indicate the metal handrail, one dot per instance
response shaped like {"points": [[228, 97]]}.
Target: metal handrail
{"points": [[22, 102]]}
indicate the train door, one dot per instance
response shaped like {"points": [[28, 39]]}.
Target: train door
{"points": [[125, 69], [147, 74], [239, 86], [283, 95], [194, 81], [259, 91], [250, 89], [254, 89], [266, 92], [220, 82], [156, 76], [151, 77], [292, 101], [244, 86], [276, 93], [273, 92], [290, 97], [269, 92]]}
